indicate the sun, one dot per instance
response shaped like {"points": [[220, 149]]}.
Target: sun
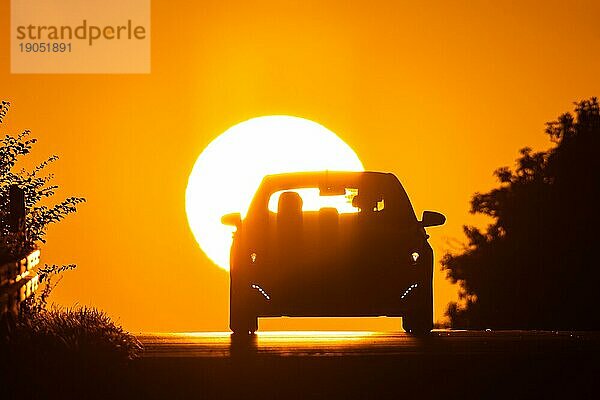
{"points": [[229, 170]]}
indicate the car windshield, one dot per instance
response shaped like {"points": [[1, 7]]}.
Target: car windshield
{"points": [[345, 200], [350, 194], [313, 200]]}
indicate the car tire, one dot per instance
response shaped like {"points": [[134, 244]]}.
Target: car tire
{"points": [[242, 320], [418, 320], [242, 323]]}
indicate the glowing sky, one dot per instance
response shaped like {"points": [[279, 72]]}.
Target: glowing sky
{"points": [[439, 94]]}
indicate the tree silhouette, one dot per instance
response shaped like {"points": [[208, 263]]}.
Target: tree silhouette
{"points": [[535, 266]]}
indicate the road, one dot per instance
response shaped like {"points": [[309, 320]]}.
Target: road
{"points": [[350, 343], [473, 364]]}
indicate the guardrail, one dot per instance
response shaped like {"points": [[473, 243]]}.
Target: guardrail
{"points": [[18, 281], [18, 278]]}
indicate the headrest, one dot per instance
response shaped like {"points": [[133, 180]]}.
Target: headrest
{"points": [[328, 212], [366, 202], [289, 202]]}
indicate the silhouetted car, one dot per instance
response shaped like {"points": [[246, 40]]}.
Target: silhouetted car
{"points": [[331, 244]]}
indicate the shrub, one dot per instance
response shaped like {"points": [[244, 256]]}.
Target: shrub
{"points": [[38, 190]]}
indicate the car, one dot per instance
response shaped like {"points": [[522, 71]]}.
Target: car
{"points": [[331, 244]]}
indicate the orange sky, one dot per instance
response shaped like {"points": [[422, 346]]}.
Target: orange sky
{"points": [[440, 95]]}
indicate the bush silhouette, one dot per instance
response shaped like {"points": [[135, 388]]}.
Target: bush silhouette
{"points": [[535, 267], [38, 190]]}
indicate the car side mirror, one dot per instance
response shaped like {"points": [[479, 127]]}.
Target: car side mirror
{"points": [[432, 218], [232, 219]]}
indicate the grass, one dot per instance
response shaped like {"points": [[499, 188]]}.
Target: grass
{"points": [[64, 351], [80, 332]]}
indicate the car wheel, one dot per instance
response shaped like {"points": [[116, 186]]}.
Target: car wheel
{"points": [[418, 320], [242, 319], [242, 324]]}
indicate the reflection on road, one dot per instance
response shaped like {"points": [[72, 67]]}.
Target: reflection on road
{"points": [[220, 344], [349, 343]]}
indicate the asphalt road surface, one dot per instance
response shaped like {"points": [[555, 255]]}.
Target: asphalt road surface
{"points": [[465, 364], [351, 343]]}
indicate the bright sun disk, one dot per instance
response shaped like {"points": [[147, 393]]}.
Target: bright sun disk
{"points": [[229, 170]]}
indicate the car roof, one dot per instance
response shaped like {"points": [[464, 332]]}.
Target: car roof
{"points": [[321, 178]]}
